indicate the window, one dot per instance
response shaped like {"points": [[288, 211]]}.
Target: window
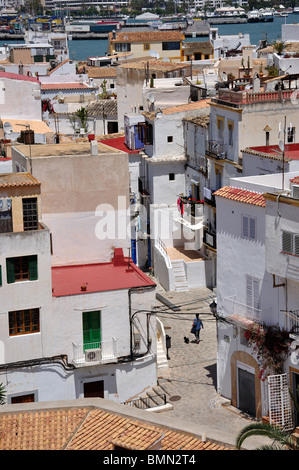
{"points": [[145, 133], [23, 399], [30, 217], [291, 135], [22, 268], [22, 322], [171, 46], [253, 293], [267, 138], [146, 46], [122, 47], [290, 243], [91, 329], [248, 227], [171, 176], [169, 138], [230, 134]]}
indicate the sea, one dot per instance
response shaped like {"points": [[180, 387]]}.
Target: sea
{"points": [[80, 49]]}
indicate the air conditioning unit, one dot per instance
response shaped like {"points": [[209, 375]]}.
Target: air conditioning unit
{"points": [[93, 355], [295, 191]]}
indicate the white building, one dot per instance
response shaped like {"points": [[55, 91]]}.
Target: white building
{"points": [[77, 313], [256, 292]]}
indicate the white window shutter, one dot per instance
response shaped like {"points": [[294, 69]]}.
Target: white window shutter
{"points": [[249, 291], [245, 226], [252, 228]]}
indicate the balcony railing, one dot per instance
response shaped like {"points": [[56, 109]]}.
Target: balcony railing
{"points": [[88, 353], [216, 149], [240, 98], [232, 307]]}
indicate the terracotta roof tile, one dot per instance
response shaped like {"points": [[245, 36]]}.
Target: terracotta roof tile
{"points": [[8, 180], [241, 195], [65, 86], [295, 180], [89, 428], [152, 36]]}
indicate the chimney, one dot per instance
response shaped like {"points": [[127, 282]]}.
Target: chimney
{"points": [[94, 147]]}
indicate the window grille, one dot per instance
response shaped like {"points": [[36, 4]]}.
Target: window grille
{"points": [[280, 404], [30, 216]]}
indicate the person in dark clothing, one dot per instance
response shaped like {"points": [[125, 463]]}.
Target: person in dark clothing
{"points": [[197, 325]]}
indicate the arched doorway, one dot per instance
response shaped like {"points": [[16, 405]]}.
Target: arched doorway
{"points": [[246, 384]]}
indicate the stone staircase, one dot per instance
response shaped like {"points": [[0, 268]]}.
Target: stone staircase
{"points": [[179, 275], [157, 397]]}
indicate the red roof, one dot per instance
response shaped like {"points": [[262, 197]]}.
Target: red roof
{"points": [[119, 144], [242, 195], [16, 76], [291, 151], [295, 180], [120, 273]]}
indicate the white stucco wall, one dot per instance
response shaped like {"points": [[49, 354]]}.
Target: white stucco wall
{"points": [[20, 99]]}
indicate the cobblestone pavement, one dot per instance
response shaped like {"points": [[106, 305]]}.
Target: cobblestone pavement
{"points": [[191, 376]]}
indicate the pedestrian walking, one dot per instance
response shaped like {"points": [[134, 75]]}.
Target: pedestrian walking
{"points": [[197, 325]]}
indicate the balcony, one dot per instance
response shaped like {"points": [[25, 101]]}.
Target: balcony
{"points": [[230, 307], [216, 149], [95, 353], [238, 99]]}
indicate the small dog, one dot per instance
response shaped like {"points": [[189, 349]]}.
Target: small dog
{"points": [[186, 340]]}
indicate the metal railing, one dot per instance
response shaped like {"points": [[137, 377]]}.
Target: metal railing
{"points": [[163, 249], [98, 351], [232, 307], [144, 403]]}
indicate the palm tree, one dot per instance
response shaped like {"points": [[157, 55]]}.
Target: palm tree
{"points": [[282, 440]]}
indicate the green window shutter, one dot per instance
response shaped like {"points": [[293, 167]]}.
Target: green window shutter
{"points": [[10, 270], [33, 268], [92, 328]]}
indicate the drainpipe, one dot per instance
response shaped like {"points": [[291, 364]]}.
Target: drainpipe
{"points": [[130, 291]]}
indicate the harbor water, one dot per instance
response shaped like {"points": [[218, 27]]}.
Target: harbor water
{"points": [[81, 49]]}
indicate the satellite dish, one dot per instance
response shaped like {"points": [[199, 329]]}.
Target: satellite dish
{"points": [[154, 54], [61, 95], [281, 145], [7, 127]]}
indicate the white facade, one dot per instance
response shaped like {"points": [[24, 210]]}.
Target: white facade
{"points": [[247, 258], [20, 97]]}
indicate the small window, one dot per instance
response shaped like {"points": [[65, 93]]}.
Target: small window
{"points": [[230, 134], [111, 85], [146, 46], [248, 227], [169, 138], [291, 135], [22, 322], [22, 268], [171, 176]]}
